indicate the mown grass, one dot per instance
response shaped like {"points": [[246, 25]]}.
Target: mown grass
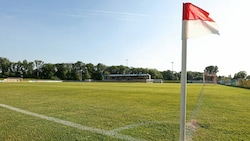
{"points": [[224, 114], [110, 106]]}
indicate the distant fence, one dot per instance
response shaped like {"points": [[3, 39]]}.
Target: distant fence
{"points": [[244, 83], [12, 79], [45, 81]]}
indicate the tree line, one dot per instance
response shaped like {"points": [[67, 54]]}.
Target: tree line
{"points": [[80, 71]]}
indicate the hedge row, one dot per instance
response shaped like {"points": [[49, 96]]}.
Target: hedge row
{"points": [[244, 83]]}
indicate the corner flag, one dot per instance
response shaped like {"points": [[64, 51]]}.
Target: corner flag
{"points": [[195, 22]]}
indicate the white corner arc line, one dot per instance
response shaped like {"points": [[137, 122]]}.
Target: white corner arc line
{"points": [[72, 124]]}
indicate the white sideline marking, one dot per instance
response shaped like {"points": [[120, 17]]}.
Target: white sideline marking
{"points": [[111, 133], [192, 125]]}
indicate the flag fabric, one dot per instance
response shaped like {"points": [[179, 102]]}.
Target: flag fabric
{"points": [[196, 22]]}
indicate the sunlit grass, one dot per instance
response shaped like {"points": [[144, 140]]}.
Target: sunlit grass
{"points": [[224, 114], [152, 108]]}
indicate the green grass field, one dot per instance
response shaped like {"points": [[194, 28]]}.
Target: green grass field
{"points": [[122, 111]]}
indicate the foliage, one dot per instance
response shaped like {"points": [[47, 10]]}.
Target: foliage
{"points": [[248, 77], [47, 71], [210, 72], [79, 71], [67, 71], [38, 64], [211, 69], [240, 75], [244, 83], [194, 75], [86, 75], [168, 75], [4, 66]]}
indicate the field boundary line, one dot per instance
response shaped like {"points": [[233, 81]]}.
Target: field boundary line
{"points": [[128, 127], [192, 125], [198, 103], [111, 133]]}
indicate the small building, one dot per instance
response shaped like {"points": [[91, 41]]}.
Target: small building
{"points": [[127, 77]]}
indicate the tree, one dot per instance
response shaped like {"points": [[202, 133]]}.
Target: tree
{"points": [[211, 70], [99, 71], [248, 77], [78, 68], [48, 71], [4, 66], [27, 69], [168, 75], [122, 69], [86, 75], [112, 70], [240, 75], [38, 67], [70, 71], [138, 71], [197, 75], [155, 74], [100, 67], [190, 75], [177, 75], [18, 69], [61, 71], [90, 68]]}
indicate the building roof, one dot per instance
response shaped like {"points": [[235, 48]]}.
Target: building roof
{"points": [[116, 75]]}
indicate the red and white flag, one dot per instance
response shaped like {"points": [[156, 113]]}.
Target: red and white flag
{"points": [[196, 22]]}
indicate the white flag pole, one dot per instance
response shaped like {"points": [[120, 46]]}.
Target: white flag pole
{"points": [[183, 92], [193, 13], [183, 83], [204, 78]]}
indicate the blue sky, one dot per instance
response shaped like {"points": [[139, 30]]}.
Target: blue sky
{"points": [[146, 33]]}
